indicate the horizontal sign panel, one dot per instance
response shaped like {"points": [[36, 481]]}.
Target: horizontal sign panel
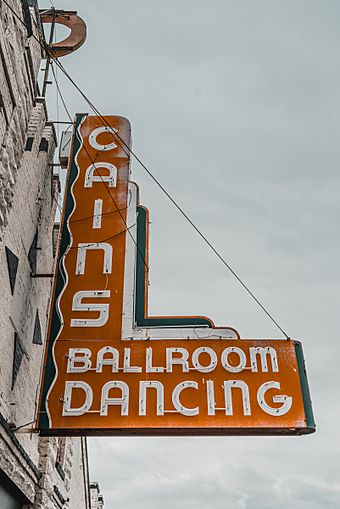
{"points": [[113, 369], [179, 387]]}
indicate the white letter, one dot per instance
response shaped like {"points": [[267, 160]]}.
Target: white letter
{"points": [[77, 356], [213, 359], [263, 352], [142, 396], [231, 384], [69, 386], [97, 214], [123, 401], [111, 178], [113, 360], [225, 363], [127, 367], [149, 368], [211, 397], [96, 132], [285, 400], [176, 401], [183, 360], [103, 309], [81, 256]]}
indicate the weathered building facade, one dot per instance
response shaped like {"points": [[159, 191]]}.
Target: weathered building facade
{"points": [[48, 472], [97, 499]]}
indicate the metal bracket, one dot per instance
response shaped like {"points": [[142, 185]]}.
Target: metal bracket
{"points": [[41, 275]]}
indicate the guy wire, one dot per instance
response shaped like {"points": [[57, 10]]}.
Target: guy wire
{"points": [[117, 137]]}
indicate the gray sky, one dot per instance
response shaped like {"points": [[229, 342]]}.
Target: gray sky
{"points": [[235, 107]]}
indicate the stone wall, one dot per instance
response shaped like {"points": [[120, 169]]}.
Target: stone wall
{"points": [[49, 473], [20, 58]]}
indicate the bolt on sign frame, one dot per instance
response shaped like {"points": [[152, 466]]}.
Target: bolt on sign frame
{"points": [[110, 368]]}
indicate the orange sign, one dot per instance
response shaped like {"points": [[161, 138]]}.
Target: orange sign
{"points": [[113, 369]]}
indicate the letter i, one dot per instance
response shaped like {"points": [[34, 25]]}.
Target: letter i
{"points": [[97, 214]]}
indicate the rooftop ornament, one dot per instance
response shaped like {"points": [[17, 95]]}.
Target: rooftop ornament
{"points": [[71, 20]]}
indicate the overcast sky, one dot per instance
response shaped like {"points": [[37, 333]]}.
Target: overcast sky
{"points": [[235, 107]]}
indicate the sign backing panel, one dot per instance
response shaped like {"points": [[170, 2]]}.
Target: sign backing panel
{"points": [[110, 369]]}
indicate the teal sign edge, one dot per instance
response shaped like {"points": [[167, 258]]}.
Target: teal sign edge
{"points": [[50, 369]]}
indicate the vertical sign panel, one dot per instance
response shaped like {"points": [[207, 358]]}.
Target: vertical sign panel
{"points": [[88, 293]]}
